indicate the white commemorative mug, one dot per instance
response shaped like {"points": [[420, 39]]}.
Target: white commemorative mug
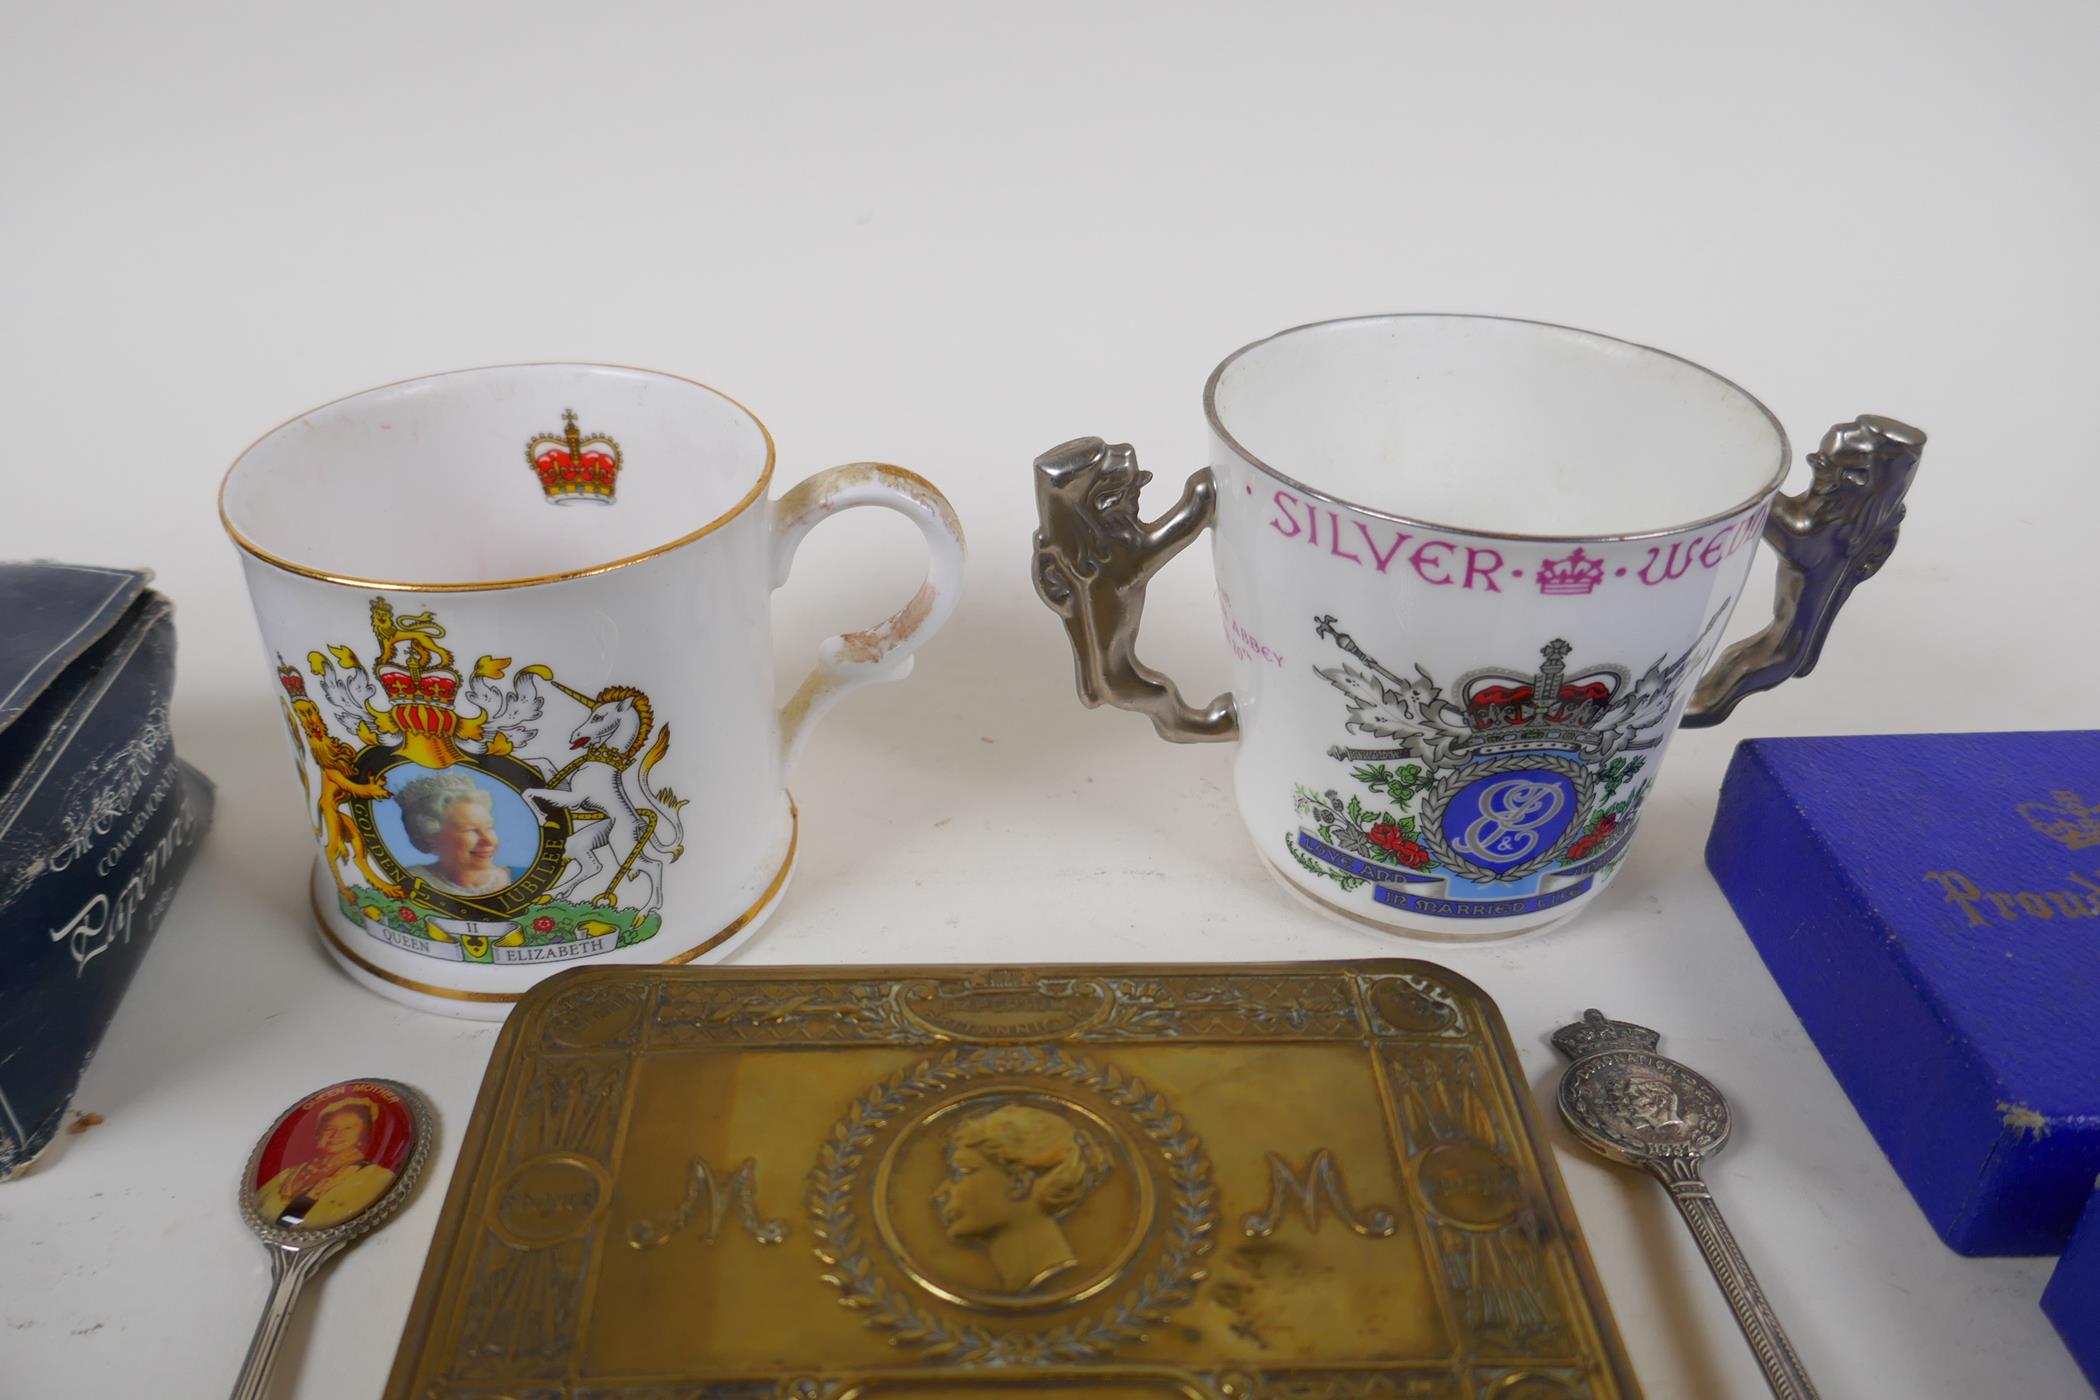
{"points": [[520, 628], [1472, 572]]}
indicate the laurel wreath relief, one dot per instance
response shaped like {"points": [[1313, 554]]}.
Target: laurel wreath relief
{"points": [[1191, 1214]]}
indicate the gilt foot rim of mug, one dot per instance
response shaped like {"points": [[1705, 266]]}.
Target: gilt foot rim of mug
{"points": [[495, 1006]]}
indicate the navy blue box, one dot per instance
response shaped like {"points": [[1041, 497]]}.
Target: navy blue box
{"points": [[2073, 1294], [2072, 1298], [98, 821], [1930, 905]]}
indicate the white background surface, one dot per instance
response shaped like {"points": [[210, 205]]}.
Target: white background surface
{"points": [[950, 236]]}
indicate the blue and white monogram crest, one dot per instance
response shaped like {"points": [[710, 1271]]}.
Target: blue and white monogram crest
{"points": [[1506, 781], [1513, 819]]}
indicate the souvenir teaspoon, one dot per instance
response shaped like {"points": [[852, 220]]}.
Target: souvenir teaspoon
{"points": [[1634, 1106], [333, 1166]]}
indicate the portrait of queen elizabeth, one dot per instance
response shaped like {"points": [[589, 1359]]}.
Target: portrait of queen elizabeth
{"points": [[451, 818]]}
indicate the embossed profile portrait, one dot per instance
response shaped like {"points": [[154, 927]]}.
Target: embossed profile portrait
{"points": [[1017, 1198], [1645, 1101], [1014, 1174]]}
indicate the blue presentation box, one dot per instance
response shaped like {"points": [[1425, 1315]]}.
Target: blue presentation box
{"points": [[2072, 1298], [98, 822], [1930, 905]]}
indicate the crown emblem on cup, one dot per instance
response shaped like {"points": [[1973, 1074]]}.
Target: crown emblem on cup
{"points": [[416, 673], [1593, 1035], [575, 466], [1549, 704], [288, 676], [2068, 819], [1578, 573], [1596, 711]]}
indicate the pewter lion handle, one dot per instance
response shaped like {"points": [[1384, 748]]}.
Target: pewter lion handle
{"points": [[1831, 538], [1093, 558]]}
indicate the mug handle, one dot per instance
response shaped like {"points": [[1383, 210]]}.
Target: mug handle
{"points": [[1093, 558], [882, 652], [1831, 538]]}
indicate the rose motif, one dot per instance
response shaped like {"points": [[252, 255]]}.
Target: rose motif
{"points": [[1596, 836], [1391, 838]]}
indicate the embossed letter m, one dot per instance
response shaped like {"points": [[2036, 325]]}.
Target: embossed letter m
{"points": [[712, 1199], [1321, 1184]]}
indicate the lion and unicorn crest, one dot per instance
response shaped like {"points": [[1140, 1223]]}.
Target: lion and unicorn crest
{"points": [[602, 834]]}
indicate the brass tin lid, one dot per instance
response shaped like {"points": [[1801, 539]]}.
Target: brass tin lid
{"points": [[1228, 1182]]}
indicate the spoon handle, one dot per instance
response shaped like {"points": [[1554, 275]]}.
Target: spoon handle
{"points": [[289, 1270], [1783, 1369]]}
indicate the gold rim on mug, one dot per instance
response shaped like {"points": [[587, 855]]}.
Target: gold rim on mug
{"points": [[1210, 414], [756, 493], [735, 926]]}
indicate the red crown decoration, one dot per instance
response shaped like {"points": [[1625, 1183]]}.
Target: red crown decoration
{"points": [[437, 687], [1499, 703], [416, 673], [1578, 573], [2070, 821], [288, 676], [422, 698], [575, 466]]}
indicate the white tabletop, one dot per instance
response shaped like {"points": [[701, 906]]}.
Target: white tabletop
{"points": [[950, 236]]}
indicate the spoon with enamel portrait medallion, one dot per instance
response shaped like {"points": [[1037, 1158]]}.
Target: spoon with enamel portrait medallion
{"points": [[331, 1168]]}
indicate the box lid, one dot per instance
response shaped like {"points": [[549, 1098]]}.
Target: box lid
{"points": [[1930, 904], [1290, 1179], [54, 613]]}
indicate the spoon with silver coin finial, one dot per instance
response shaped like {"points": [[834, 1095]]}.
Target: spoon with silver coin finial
{"points": [[1634, 1106], [333, 1166]]}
